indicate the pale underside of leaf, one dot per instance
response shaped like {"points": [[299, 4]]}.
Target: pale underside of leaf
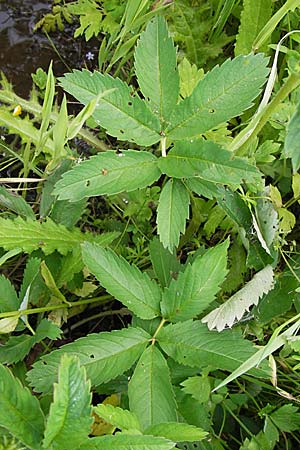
{"points": [[104, 355], [222, 94], [172, 213], [122, 114], [124, 281], [207, 161], [108, 173], [235, 307]]}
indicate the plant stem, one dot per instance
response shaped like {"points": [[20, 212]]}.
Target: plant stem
{"points": [[163, 146], [161, 324], [241, 143]]}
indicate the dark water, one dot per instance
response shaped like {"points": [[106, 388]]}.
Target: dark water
{"points": [[22, 50]]}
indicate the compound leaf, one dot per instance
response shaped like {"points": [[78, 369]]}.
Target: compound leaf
{"points": [[108, 173], [150, 391], [124, 281], [20, 412], [105, 356], [156, 69], [192, 344], [69, 421], [196, 287], [222, 94], [172, 213], [122, 114], [235, 307], [207, 161]]}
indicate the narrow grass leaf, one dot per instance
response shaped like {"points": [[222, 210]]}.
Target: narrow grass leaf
{"points": [[196, 287], [108, 173], [172, 213], [150, 390], [69, 421], [123, 281], [222, 94], [156, 69], [20, 412], [121, 113], [104, 356]]}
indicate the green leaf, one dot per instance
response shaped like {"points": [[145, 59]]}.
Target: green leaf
{"points": [[123, 281], [172, 213], [150, 391], [222, 94], [130, 442], [17, 347], [108, 173], [122, 114], [8, 296], [207, 161], [15, 203], [198, 387], [196, 287], [165, 264], [20, 412], [286, 418], [254, 17], [118, 417], [190, 75], [235, 307], [291, 143], [156, 69], [69, 421], [177, 432], [192, 344], [105, 356], [31, 235]]}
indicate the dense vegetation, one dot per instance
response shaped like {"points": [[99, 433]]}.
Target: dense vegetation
{"points": [[149, 240]]}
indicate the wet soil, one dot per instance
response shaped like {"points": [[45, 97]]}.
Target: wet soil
{"points": [[22, 50]]}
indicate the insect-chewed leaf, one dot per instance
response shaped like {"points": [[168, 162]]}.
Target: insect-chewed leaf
{"points": [[196, 287], [235, 307], [172, 213], [108, 173], [123, 115], [69, 421], [20, 412], [156, 69], [150, 391], [192, 344], [122, 441], [208, 161], [222, 94], [104, 355], [124, 281]]}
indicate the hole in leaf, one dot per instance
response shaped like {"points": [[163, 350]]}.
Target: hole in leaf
{"points": [[87, 183], [211, 111], [129, 103], [92, 356], [122, 131]]}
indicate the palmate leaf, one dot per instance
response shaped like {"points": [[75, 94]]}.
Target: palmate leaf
{"points": [[207, 161], [150, 391], [69, 421], [196, 287], [191, 343], [235, 307], [124, 281], [128, 442], [222, 94], [156, 69], [20, 412], [122, 114], [172, 213], [108, 173], [48, 236], [104, 355]]}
